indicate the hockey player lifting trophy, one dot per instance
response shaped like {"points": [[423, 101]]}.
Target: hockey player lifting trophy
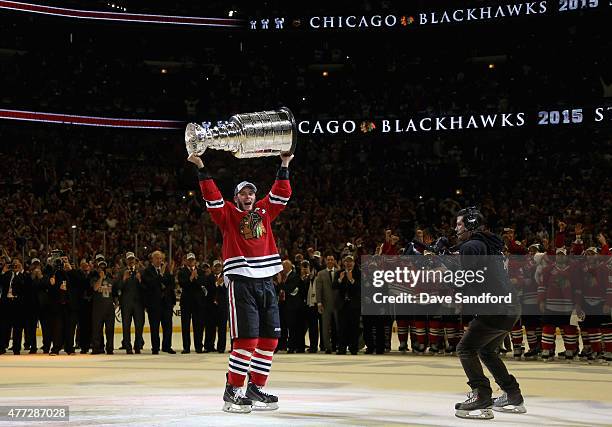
{"points": [[250, 256]]}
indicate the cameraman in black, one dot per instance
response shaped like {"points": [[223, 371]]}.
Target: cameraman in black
{"points": [[63, 295], [482, 250]]}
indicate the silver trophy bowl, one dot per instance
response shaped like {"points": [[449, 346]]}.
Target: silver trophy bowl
{"points": [[260, 134]]}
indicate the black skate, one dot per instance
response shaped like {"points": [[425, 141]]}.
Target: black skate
{"points": [[451, 349], [585, 355], [432, 350], [607, 358], [419, 350], [235, 402], [403, 347], [532, 354], [517, 353], [262, 401], [513, 404], [547, 356], [475, 407]]}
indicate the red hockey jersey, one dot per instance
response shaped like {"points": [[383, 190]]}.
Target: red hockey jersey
{"points": [[556, 290], [249, 248]]}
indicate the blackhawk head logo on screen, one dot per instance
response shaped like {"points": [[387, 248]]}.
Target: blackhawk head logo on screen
{"points": [[251, 226]]}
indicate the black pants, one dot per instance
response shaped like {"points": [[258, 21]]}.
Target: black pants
{"points": [[348, 335], [103, 320], [30, 313], [221, 323], [44, 315], [314, 318], [294, 318], [374, 333], [12, 321], [132, 312], [63, 324], [481, 340], [210, 325], [166, 324], [192, 313], [284, 334], [160, 314], [85, 331]]}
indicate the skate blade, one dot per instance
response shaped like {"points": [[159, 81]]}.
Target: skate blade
{"points": [[260, 406], [236, 409], [476, 414], [511, 409]]}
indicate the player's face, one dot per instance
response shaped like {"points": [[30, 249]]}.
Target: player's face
{"points": [[245, 199], [460, 230]]}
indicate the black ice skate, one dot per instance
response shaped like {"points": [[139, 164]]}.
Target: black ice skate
{"points": [[234, 401], [262, 401], [532, 354], [510, 403], [403, 347], [517, 353], [475, 407], [547, 356]]}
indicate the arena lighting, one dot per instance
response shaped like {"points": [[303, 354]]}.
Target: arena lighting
{"points": [[325, 74], [74, 227], [458, 191], [491, 66], [164, 71], [120, 15]]}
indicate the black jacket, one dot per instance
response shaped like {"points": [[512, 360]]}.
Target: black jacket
{"points": [[158, 289], [484, 251], [295, 291], [350, 293], [17, 287], [131, 290], [58, 296], [192, 291]]}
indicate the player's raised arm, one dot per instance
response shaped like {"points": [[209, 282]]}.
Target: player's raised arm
{"points": [[278, 197], [212, 196]]}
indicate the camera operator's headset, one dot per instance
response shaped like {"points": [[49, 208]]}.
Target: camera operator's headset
{"points": [[473, 218]]}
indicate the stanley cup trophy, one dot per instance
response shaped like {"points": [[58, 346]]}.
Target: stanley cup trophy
{"points": [[266, 133]]}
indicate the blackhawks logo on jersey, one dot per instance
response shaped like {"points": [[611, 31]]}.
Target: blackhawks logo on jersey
{"points": [[251, 226]]}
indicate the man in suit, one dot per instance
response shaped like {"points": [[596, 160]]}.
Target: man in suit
{"points": [[130, 289], [327, 300], [83, 280], [12, 283], [159, 296], [193, 293], [210, 309], [63, 295], [295, 296], [222, 305], [33, 281], [348, 282]]}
